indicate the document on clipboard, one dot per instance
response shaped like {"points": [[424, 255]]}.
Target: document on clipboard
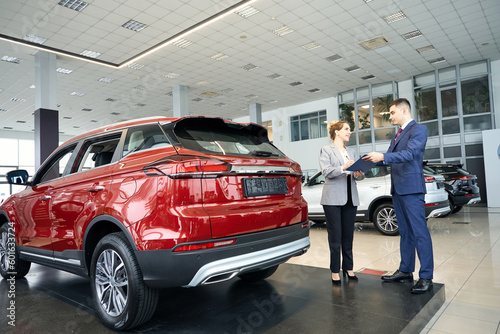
{"points": [[361, 165]]}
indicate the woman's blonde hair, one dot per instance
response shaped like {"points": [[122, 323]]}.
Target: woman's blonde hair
{"points": [[335, 126]]}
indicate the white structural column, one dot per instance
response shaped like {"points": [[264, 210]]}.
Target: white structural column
{"points": [[180, 95], [255, 113], [46, 114]]}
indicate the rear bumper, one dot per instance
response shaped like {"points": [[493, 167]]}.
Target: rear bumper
{"points": [[466, 200], [437, 210], [250, 252]]}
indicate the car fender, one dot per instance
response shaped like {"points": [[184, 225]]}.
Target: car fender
{"points": [[375, 203]]}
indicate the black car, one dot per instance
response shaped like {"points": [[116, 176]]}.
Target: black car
{"points": [[460, 184]]}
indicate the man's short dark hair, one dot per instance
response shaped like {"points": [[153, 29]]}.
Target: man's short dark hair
{"points": [[401, 102]]}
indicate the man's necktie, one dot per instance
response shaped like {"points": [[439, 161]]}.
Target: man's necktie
{"points": [[397, 135]]}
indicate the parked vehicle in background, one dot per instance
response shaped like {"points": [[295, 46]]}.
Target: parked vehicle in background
{"points": [[155, 203], [460, 185], [376, 200]]}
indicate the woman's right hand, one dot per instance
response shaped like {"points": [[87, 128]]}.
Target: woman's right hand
{"points": [[347, 164]]}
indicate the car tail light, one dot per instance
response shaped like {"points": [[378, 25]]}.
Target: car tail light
{"points": [[462, 177], [429, 179], [431, 204], [296, 167], [213, 244], [187, 166]]}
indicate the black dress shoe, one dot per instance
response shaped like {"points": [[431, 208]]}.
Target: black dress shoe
{"points": [[352, 278], [398, 276], [423, 285]]}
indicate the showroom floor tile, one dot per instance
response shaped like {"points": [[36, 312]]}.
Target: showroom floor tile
{"points": [[467, 261]]}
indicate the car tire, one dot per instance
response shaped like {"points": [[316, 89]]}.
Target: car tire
{"points": [[121, 298], [258, 275], [384, 219], [10, 263]]}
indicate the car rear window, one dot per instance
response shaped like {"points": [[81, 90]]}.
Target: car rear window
{"points": [[214, 136]]}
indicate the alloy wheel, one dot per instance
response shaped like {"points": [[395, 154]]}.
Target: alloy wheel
{"points": [[111, 282]]}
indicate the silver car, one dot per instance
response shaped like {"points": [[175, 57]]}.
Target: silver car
{"points": [[375, 198]]}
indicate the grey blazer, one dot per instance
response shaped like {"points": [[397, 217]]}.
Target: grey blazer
{"points": [[335, 187]]}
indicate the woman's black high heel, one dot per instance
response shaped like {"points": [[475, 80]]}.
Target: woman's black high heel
{"points": [[352, 278], [336, 282]]}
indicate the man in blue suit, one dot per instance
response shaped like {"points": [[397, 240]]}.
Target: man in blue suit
{"points": [[405, 155]]}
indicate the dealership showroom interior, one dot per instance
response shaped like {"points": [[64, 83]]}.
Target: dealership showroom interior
{"points": [[160, 165]]}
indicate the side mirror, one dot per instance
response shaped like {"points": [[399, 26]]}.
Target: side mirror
{"points": [[18, 177]]}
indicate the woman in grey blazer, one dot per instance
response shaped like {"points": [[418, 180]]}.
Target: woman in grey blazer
{"points": [[339, 199]]}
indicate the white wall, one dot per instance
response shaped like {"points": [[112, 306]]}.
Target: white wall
{"points": [[491, 151], [495, 87]]}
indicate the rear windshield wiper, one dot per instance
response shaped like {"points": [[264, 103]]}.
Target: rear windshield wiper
{"points": [[264, 154]]}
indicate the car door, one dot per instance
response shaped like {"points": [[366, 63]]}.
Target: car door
{"points": [[376, 184], [35, 223], [83, 195]]}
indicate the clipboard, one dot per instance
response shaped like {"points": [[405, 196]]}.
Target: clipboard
{"points": [[361, 165]]}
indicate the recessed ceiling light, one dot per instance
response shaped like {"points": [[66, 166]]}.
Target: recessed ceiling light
{"points": [[201, 83], [275, 76], [67, 117], [115, 113], [271, 101], [33, 86], [198, 99], [333, 58], [140, 87], [310, 46], [34, 39], [172, 75], [76, 127], [93, 121], [140, 105], [296, 83], [106, 80], [11, 59], [134, 25], [247, 11], [87, 109], [17, 99], [251, 96], [426, 48], [219, 56], [182, 43], [22, 122], [3, 110], [77, 94], [90, 54], [411, 35], [367, 1], [352, 68], [7, 128], [315, 90], [135, 66], [63, 70], [169, 94], [249, 67], [394, 17], [227, 90], [284, 30], [74, 4], [437, 60], [368, 77], [110, 100]]}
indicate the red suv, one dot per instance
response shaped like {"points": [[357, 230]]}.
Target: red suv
{"points": [[155, 203]]}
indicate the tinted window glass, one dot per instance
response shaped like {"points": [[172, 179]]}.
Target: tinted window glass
{"points": [[214, 136], [56, 167], [144, 137]]}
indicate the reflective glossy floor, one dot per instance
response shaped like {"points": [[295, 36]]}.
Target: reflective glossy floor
{"points": [[467, 261], [299, 297]]}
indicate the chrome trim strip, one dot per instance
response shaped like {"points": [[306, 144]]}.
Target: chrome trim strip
{"points": [[70, 261], [438, 212], [474, 201], [247, 261]]}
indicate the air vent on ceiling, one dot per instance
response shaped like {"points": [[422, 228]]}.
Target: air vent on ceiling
{"points": [[198, 99], [77, 94], [87, 109], [314, 90], [219, 56], [135, 66], [34, 39], [437, 60], [169, 93], [227, 90], [251, 96], [109, 99], [17, 99], [283, 31], [412, 34], [275, 76], [140, 105], [425, 49], [373, 43], [134, 25], [115, 113], [67, 117], [296, 83], [352, 68], [310, 46], [3, 110], [394, 17], [221, 104], [247, 11], [172, 75], [209, 94], [22, 122], [333, 58], [106, 80], [249, 67], [368, 77]]}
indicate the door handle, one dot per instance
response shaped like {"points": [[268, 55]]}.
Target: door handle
{"points": [[95, 189], [45, 198]]}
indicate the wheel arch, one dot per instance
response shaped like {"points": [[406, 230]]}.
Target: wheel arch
{"points": [[376, 203], [98, 228]]}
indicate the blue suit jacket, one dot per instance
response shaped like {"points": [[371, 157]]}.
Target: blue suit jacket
{"points": [[406, 157]]}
